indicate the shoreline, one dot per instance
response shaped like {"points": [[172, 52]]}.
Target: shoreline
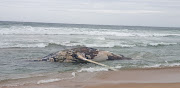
{"points": [[167, 77]]}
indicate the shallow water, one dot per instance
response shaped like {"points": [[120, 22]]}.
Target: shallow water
{"points": [[21, 42]]}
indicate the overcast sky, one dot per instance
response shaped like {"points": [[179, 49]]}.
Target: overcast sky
{"points": [[111, 12]]}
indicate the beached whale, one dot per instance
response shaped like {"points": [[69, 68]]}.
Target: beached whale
{"points": [[71, 55]]}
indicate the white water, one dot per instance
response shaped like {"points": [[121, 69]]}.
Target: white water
{"points": [[56, 79], [29, 30]]}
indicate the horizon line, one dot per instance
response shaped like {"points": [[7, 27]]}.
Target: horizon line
{"points": [[88, 24]]}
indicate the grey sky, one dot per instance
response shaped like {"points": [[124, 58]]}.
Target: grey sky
{"points": [[112, 12]]}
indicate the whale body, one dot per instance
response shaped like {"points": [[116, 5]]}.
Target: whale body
{"points": [[70, 55]]}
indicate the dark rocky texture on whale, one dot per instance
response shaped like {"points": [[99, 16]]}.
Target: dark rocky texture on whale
{"points": [[70, 55]]}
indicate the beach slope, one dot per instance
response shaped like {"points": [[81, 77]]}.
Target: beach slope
{"points": [[131, 78]]}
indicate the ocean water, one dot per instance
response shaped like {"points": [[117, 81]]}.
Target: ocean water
{"points": [[21, 42]]}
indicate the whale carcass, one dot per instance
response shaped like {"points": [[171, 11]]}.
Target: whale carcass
{"points": [[71, 55]]}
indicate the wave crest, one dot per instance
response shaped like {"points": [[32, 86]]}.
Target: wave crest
{"points": [[29, 30], [161, 44], [74, 44]]}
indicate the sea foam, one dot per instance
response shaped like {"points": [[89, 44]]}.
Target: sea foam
{"points": [[92, 69], [56, 79], [161, 44], [162, 65], [29, 30]]}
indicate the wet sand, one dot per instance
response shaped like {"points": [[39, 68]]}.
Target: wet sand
{"points": [[131, 78], [138, 85]]}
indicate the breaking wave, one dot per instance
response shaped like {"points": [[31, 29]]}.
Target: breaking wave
{"points": [[74, 44], [30, 30], [162, 65], [161, 44]]}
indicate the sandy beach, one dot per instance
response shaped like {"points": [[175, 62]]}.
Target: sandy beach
{"points": [[137, 85], [131, 78]]}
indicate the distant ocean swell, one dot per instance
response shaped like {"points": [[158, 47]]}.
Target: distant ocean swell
{"points": [[29, 30]]}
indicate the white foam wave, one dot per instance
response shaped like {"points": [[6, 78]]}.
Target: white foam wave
{"points": [[5, 45], [102, 43], [100, 38], [54, 80], [126, 45], [48, 81], [115, 44], [153, 66], [173, 64], [92, 69], [82, 31], [162, 65], [164, 34], [84, 43], [31, 45], [161, 44], [118, 67]]}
